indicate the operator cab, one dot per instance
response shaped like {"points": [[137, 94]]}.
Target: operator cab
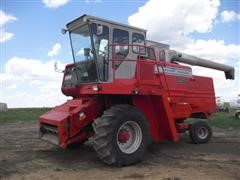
{"points": [[101, 48]]}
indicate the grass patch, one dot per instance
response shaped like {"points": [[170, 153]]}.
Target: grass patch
{"points": [[222, 120], [22, 114]]}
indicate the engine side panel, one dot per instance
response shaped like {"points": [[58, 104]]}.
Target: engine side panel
{"points": [[196, 94]]}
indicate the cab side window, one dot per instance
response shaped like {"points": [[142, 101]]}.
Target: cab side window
{"points": [[100, 38], [138, 40], [101, 43], [121, 37]]}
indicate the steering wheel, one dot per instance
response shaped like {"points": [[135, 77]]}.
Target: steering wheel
{"points": [[101, 53]]}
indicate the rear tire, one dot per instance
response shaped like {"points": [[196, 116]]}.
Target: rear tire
{"points": [[200, 132], [121, 135], [237, 115]]}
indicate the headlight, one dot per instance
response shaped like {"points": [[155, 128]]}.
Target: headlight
{"points": [[95, 88], [67, 77]]}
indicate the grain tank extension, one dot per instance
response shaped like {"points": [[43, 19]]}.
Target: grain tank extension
{"points": [[127, 91], [195, 61]]}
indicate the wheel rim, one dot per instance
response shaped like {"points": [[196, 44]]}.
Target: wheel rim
{"points": [[129, 137], [202, 133]]}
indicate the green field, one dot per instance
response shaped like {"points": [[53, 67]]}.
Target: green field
{"points": [[225, 120], [221, 119], [22, 114]]}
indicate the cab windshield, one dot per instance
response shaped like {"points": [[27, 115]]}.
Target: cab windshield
{"points": [[85, 67]]}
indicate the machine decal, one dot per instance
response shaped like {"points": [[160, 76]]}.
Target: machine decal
{"points": [[181, 80], [174, 71]]}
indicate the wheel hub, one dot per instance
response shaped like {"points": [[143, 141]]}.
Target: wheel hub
{"points": [[123, 136], [202, 133]]}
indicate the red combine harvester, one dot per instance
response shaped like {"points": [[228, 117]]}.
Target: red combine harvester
{"points": [[127, 91]]}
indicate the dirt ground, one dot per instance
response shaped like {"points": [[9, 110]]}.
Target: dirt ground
{"points": [[24, 156]]}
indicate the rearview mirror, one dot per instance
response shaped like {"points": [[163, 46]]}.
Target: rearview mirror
{"points": [[56, 69], [64, 31]]}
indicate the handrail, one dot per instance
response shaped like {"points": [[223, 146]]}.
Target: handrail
{"points": [[139, 55]]}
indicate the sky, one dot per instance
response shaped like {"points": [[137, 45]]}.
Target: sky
{"points": [[31, 40]]}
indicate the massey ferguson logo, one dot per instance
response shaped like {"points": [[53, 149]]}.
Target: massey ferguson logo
{"points": [[173, 71]]}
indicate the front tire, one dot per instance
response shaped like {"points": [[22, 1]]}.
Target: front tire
{"points": [[200, 132], [121, 135], [237, 115]]}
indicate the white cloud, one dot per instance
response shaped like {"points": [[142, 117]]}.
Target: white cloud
{"points": [[215, 50], [228, 16], [55, 49], [5, 19], [31, 83], [13, 86], [171, 21], [54, 3], [5, 36]]}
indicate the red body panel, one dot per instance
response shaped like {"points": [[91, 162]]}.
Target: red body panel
{"points": [[159, 115]]}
